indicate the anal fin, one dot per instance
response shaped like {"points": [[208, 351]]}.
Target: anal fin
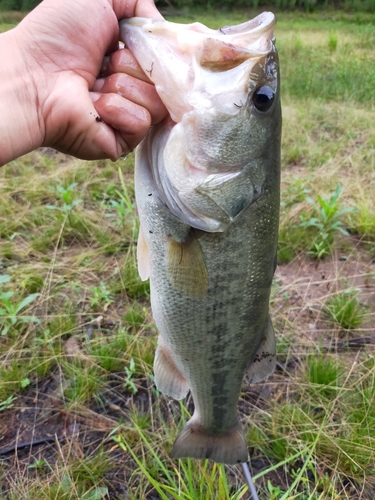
{"points": [[265, 359], [168, 378], [194, 441]]}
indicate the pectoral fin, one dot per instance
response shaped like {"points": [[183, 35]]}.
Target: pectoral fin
{"points": [[186, 267], [143, 257], [265, 360]]}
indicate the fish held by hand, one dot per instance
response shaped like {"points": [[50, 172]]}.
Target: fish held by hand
{"points": [[207, 183]]}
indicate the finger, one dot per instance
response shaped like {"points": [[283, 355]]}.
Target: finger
{"points": [[134, 90], [123, 61], [130, 121], [77, 129], [132, 8], [146, 8]]}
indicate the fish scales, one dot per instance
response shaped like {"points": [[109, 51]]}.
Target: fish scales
{"points": [[194, 323], [210, 251]]}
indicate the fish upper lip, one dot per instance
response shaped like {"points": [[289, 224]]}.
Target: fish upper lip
{"points": [[264, 22], [258, 27]]}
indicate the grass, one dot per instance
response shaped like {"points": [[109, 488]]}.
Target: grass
{"points": [[345, 309], [78, 339]]}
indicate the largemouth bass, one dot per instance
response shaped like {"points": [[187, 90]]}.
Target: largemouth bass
{"points": [[207, 191]]}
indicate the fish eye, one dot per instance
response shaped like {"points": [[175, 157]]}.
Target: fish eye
{"points": [[263, 98]]}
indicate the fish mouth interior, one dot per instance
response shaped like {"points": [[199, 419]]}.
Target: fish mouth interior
{"points": [[206, 79], [261, 24]]}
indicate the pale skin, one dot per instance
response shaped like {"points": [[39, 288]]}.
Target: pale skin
{"points": [[64, 84]]}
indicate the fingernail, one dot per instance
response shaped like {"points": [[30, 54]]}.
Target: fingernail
{"points": [[94, 96], [104, 64], [98, 85]]}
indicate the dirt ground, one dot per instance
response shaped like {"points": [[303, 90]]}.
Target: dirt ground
{"points": [[40, 427]]}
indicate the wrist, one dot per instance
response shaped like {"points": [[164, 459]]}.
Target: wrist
{"points": [[21, 129]]}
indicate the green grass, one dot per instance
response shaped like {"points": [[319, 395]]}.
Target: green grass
{"points": [[345, 309], [78, 338]]}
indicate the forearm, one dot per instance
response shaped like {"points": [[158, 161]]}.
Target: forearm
{"points": [[20, 130]]}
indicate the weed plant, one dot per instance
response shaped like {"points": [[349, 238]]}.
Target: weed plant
{"points": [[10, 310], [327, 220], [345, 309]]}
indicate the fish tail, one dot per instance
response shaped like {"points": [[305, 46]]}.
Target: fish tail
{"points": [[196, 442]]}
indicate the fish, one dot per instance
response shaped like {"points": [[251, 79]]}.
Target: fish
{"points": [[207, 184]]}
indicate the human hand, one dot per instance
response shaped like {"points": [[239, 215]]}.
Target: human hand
{"points": [[58, 50]]}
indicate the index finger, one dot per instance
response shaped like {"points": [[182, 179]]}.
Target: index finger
{"points": [[123, 61]]}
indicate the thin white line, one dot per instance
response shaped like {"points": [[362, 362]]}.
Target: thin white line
{"points": [[249, 480]]}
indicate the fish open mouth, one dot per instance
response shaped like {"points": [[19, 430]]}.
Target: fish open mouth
{"points": [[207, 79], [174, 51]]}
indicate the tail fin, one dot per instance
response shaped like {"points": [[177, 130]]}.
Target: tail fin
{"points": [[226, 448]]}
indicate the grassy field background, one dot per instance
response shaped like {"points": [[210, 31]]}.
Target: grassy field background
{"points": [[77, 338]]}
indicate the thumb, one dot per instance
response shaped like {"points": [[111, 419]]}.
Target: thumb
{"points": [[135, 8]]}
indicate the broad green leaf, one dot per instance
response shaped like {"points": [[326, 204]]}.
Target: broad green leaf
{"points": [[4, 278], [97, 494], [26, 301]]}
